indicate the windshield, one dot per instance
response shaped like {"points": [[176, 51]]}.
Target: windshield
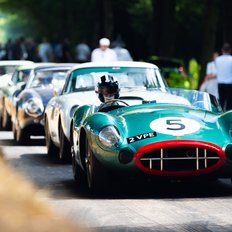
{"points": [[199, 100], [127, 77], [7, 69], [21, 75], [52, 78]]}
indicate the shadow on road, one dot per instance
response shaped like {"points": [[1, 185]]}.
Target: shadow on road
{"points": [[152, 190], [198, 226], [58, 180], [32, 142]]}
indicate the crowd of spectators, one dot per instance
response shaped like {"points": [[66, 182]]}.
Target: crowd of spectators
{"points": [[44, 51], [26, 48]]}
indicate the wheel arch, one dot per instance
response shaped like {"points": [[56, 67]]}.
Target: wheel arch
{"points": [[82, 147], [59, 127], [71, 134]]}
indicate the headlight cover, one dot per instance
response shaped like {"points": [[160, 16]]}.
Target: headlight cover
{"points": [[34, 107], [109, 136]]}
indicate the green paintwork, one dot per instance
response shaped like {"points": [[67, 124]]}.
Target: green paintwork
{"points": [[135, 120]]}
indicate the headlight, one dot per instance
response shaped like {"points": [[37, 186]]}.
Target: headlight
{"points": [[34, 107], [109, 136]]}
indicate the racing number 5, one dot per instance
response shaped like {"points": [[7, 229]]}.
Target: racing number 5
{"points": [[175, 124]]}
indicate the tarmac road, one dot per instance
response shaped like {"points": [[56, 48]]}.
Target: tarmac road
{"points": [[174, 206]]}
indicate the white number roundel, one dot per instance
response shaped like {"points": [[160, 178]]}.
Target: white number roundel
{"points": [[176, 126]]}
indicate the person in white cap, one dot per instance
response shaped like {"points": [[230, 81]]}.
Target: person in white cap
{"points": [[104, 53]]}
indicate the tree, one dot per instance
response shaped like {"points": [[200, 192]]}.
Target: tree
{"points": [[178, 28], [227, 20], [164, 27], [209, 33]]}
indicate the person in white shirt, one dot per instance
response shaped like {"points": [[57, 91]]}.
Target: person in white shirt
{"points": [[45, 51], [210, 84], [224, 77], [103, 53]]}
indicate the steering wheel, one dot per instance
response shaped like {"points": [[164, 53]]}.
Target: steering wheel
{"points": [[111, 103]]}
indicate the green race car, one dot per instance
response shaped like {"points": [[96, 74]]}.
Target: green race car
{"points": [[176, 134]]}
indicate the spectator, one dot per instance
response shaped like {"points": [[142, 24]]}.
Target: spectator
{"points": [[2, 52], [66, 51], [17, 49], [30, 47], [103, 53], [45, 51], [9, 49], [224, 77], [122, 53], [57, 49], [210, 84], [82, 52]]}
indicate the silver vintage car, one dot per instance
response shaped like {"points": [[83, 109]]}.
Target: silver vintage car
{"points": [[79, 89]]}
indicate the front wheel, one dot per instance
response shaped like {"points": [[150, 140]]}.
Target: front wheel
{"points": [[14, 131], [22, 137], [52, 150], [78, 173], [97, 176], [6, 120], [65, 148]]}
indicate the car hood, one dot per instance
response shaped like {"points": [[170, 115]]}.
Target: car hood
{"points": [[165, 122]]}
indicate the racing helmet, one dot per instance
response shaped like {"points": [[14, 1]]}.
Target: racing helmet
{"points": [[107, 88]]}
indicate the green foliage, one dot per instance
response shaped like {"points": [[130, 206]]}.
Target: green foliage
{"points": [[175, 30], [141, 14]]}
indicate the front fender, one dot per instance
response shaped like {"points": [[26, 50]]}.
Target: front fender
{"points": [[225, 121], [65, 120]]}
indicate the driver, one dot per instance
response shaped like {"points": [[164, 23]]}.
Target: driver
{"points": [[44, 80], [107, 88]]}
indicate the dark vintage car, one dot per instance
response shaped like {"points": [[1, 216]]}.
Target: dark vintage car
{"points": [[16, 80], [9, 66], [173, 70], [29, 104]]}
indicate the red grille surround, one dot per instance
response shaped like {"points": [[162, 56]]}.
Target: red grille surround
{"points": [[179, 158]]}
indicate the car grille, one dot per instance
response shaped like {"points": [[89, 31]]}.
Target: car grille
{"points": [[181, 159]]}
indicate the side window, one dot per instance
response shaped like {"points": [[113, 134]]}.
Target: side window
{"points": [[68, 84], [84, 82], [24, 75], [81, 82], [15, 77]]}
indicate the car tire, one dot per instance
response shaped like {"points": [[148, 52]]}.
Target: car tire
{"points": [[22, 137], [52, 149], [65, 148], [14, 131], [97, 176], [6, 120], [78, 174], [1, 121]]}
